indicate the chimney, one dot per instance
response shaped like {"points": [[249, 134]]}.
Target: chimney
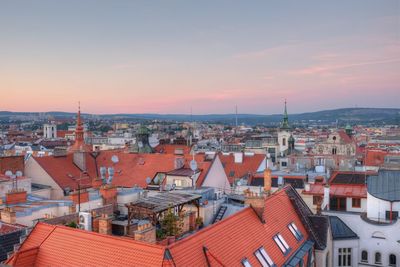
{"points": [[79, 159], [15, 197], [146, 233], [267, 181], [105, 224], [109, 195], [307, 186], [257, 202], [238, 157], [319, 203], [8, 215], [325, 203], [280, 181]]}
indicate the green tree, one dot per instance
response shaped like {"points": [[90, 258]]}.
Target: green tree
{"points": [[171, 224]]}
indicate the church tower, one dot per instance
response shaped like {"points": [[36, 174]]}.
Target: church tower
{"points": [[284, 132], [79, 144]]}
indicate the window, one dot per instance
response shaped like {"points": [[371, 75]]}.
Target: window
{"points": [[392, 260], [378, 258], [356, 202], [246, 263], [295, 231], [264, 258], [283, 246], [316, 200], [364, 256], [344, 257], [284, 142], [284, 164]]}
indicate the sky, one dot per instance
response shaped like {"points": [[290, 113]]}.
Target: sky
{"points": [[208, 56]]}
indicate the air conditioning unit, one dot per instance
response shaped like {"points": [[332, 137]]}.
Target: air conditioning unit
{"points": [[85, 221]]}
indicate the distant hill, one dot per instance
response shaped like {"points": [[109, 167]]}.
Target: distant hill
{"points": [[343, 115]]}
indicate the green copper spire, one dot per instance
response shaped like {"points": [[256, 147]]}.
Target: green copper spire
{"points": [[285, 122]]}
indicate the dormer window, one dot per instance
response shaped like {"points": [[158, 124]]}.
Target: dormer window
{"points": [[295, 231], [282, 244], [264, 258]]}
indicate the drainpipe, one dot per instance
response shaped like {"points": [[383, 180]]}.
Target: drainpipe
{"points": [[391, 213]]}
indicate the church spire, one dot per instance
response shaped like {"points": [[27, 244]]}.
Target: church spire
{"points": [[79, 144], [285, 122]]}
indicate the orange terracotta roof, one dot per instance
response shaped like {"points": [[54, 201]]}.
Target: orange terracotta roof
{"points": [[171, 149], [235, 171], [241, 234], [225, 243], [130, 170], [339, 190], [64, 246]]}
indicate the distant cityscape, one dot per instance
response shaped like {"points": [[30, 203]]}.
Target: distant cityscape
{"points": [[318, 193]]}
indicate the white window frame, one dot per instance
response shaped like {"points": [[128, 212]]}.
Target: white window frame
{"points": [[295, 231], [264, 258], [280, 241], [343, 254]]}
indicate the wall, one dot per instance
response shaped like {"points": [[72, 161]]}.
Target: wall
{"points": [[321, 255], [38, 175], [352, 243], [349, 203], [216, 177], [376, 208], [29, 217], [385, 240]]}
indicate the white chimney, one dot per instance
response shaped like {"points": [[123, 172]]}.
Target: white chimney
{"points": [[325, 203], [307, 186], [238, 157]]}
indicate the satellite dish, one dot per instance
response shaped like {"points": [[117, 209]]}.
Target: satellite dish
{"points": [[115, 159], [148, 180], [19, 173], [8, 173], [193, 165]]}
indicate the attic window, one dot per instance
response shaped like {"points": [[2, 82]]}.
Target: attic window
{"points": [[246, 263], [295, 231], [283, 246], [264, 258]]}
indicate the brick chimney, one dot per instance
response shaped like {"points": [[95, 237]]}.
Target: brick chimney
{"points": [[109, 195], [257, 202], [267, 182], [146, 233], [105, 224], [8, 215], [16, 196]]}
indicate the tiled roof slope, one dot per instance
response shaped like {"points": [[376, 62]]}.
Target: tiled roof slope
{"points": [[130, 170], [240, 235], [234, 170], [64, 246]]}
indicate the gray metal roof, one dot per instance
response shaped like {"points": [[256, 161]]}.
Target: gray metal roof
{"points": [[386, 185], [340, 230]]}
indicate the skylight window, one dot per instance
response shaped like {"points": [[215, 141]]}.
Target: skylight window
{"points": [[246, 263], [264, 258], [295, 231], [283, 246]]}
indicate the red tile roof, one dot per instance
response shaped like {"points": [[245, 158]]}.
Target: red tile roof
{"points": [[64, 246], [339, 190], [171, 149], [225, 243], [235, 171], [130, 170], [240, 235]]}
